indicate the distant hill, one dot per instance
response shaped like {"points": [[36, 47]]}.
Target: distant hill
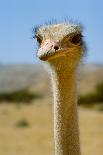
{"points": [[18, 76], [35, 78], [1, 65]]}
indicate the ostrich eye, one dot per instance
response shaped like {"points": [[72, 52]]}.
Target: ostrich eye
{"points": [[39, 39], [77, 39]]}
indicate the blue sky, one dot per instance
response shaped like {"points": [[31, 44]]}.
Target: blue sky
{"points": [[17, 17]]}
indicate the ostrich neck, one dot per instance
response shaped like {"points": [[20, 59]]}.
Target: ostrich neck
{"points": [[66, 133]]}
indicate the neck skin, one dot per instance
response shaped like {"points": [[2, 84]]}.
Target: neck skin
{"points": [[66, 133]]}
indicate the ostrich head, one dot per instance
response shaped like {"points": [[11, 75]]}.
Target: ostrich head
{"points": [[60, 43]]}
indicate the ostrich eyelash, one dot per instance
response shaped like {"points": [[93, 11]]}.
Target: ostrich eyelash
{"points": [[39, 39]]}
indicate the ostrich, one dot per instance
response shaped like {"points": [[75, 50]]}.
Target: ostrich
{"points": [[61, 46]]}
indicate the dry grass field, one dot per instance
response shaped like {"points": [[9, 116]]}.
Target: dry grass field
{"points": [[37, 137]]}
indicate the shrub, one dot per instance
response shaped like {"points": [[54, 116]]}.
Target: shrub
{"points": [[95, 97], [22, 123], [99, 90], [88, 98], [18, 96]]}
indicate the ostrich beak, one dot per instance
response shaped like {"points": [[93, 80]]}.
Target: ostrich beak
{"points": [[47, 49]]}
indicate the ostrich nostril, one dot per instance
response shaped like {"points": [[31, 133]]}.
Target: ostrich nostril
{"points": [[56, 48]]}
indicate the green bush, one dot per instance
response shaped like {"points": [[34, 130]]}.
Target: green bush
{"points": [[22, 123], [95, 97], [18, 96], [88, 98], [99, 90]]}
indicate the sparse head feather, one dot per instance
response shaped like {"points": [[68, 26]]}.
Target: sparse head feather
{"points": [[57, 30]]}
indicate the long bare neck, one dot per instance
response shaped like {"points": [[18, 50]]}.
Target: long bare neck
{"points": [[66, 133]]}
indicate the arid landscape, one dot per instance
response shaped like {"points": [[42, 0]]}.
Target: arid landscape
{"points": [[37, 136], [27, 129]]}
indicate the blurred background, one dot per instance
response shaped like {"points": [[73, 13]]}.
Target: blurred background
{"points": [[26, 125]]}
